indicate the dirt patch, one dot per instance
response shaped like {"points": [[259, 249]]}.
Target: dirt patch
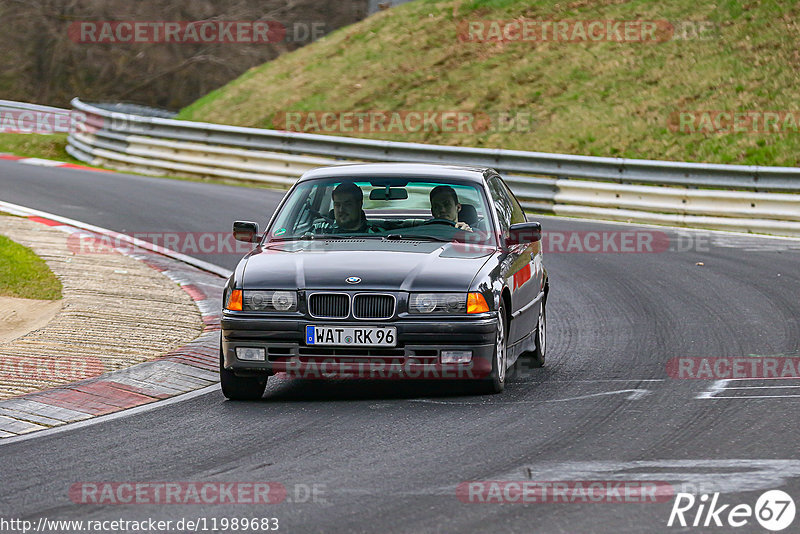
{"points": [[21, 316]]}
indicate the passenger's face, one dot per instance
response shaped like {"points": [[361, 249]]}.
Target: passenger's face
{"points": [[444, 207], [347, 211]]}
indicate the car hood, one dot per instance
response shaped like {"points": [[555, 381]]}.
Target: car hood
{"points": [[402, 265]]}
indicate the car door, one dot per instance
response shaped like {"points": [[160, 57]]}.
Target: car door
{"points": [[530, 280], [518, 263]]}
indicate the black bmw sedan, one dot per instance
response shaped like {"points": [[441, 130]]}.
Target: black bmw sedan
{"points": [[386, 271]]}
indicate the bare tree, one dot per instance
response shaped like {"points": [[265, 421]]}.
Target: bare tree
{"points": [[41, 62]]}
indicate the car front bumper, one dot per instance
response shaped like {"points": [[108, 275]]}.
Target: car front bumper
{"points": [[417, 355]]}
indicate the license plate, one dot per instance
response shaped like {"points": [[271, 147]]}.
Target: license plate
{"points": [[351, 336]]}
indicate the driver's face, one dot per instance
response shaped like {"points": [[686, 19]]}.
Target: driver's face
{"points": [[347, 211], [444, 207]]}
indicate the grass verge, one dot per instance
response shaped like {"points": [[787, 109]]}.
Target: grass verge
{"points": [[23, 274], [37, 146]]}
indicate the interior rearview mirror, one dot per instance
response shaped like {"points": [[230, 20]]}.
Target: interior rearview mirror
{"points": [[388, 193]]}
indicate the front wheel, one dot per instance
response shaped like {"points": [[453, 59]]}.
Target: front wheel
{"points": [[240, 387], [496, 381]]}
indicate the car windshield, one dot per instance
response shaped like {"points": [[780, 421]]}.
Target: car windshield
{"points": [[385, 208]]}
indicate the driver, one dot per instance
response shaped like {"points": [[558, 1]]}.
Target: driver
{"points": [[445, 206], [347, 212]]}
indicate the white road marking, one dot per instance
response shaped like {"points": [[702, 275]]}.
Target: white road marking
{"points": [[763, 387], [691, 476], [635, 394], [759, 397], [720, 386], [715, 388], [688, 476], [40, 162], [609, 380]]}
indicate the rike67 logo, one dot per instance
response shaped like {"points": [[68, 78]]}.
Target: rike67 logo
{"points": [[774, 510]]}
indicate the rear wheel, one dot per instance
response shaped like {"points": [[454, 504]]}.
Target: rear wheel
{"points": [[496, 381], [240, 387], [536, 356], [540, 337]]}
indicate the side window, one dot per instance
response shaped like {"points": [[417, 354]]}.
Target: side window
{"points": [[501, 203], [323, 200], [317, 203], [517, 214]]}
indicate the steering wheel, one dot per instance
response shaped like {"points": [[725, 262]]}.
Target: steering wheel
{"points": [[440, 221], [316, 214]]}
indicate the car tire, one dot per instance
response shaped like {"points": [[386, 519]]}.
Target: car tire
{"points": [[241, 388], [496, 381], [540, 338]]}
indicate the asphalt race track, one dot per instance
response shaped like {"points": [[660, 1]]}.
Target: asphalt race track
{"points": [[388, 456]]}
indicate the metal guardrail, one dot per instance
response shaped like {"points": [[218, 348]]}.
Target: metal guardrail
{"points": [[620, 170], [34, 118], [732, 197], [136, 109], [24, 106]]}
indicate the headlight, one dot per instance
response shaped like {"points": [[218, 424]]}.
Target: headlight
{"points": [[444, 303], [282, 301]]}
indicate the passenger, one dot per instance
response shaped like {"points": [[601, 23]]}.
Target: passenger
{"points": [[349, 217], [445, 206]]}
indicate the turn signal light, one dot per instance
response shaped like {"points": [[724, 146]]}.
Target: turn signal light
{"points": [[476, 303], [235, 300]]}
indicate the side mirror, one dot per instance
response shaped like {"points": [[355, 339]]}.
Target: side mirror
{"points": [[524, 233], [246, 231]]}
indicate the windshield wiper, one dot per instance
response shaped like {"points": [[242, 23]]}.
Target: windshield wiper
{"points": [[304, 237], [401, 237], [337, 237]]}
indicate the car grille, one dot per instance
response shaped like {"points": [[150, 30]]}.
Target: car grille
{"points": [[329, 305], [367, 306]]}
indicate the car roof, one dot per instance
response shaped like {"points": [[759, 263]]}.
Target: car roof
{"points": [[404, 170]]}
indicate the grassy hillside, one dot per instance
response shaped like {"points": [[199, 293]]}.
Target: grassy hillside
{"points": [[595, 98]]}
